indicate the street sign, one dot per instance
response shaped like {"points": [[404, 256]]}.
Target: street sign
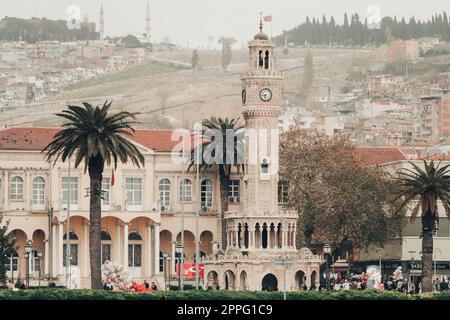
{"points": [[283, 262]]}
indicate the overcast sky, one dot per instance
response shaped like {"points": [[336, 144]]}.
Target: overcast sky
{"points": [[193, 20]]}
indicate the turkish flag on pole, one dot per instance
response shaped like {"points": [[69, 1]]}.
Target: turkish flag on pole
{"points": [[268, 18], [112, 178]]}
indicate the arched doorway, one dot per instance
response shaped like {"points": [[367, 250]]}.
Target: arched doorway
{"points": [[206, 240], [300, 280], [189, 245], [269, 283], [243, 281], [213, 280], [230, 280]]}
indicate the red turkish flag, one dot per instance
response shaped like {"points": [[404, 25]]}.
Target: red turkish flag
{"points": [[268, 18], [112, 178]]}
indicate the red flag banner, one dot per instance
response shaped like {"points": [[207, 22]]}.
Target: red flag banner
{"points": [[268, 19], [189, 270], [112, 178]]}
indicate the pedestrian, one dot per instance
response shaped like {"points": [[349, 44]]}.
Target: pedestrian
{"points": [[146, 284], [154, 287]]}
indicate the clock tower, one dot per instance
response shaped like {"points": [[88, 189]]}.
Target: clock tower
{"points": [[260, 235], [261, 100]]}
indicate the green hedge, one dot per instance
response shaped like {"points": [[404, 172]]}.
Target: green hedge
{"points": [[63, 294]]}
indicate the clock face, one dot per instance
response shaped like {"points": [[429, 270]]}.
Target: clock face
{"points": [[265, 94], [244, 96]]}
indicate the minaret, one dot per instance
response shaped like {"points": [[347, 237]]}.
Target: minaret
{"points": [[147, 24], [102, 24]]}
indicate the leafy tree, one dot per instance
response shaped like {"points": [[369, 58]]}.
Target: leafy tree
{"points": [[7, 245], [131, 41], [339, 200], [425, 187], [216, 156], [225, 59], [94, 136], [195, 59]]}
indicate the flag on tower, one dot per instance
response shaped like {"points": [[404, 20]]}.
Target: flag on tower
{"points": [[112, 178], [268, 18]]}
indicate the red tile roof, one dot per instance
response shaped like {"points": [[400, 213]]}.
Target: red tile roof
{"points": [[374, 155], [38, 138]]}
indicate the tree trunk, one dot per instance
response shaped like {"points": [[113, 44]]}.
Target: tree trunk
{"points": [[224, 185], [95, 215], [427, 252]]}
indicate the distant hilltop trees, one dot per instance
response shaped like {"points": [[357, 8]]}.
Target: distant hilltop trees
{"points": [[34, 30], [355, 31]]}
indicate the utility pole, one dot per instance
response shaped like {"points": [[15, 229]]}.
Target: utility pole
{"points": [[197, 214]]}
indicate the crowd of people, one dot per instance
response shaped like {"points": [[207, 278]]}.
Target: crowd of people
{"points": [[135, 286]]}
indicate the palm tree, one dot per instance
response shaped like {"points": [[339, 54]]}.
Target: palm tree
{"points": [[95, 137], [216, 155], [426, 185]]}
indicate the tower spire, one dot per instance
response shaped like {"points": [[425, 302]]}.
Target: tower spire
{"points": [[102, 23], [147, 24], [260, 22]]}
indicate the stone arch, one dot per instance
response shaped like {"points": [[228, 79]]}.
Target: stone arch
{"points": [[272, 243], [243, 285], [257, 236], [212, 280], [269, 282], [266, 60], [246, 236], [206, 240], [300, 280], [20, 237], [189, 245], [230, 280]]}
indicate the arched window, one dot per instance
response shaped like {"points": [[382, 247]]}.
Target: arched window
{"points": [[164, 194], [38, 192], [16, 192], [283, 191], [73, 242], [266, 60], [106, 246], [260, 59], [135, 250], [206, 194], [186, 191]]}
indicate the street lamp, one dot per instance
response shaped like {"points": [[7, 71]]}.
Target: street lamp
{"points": [[179, 250], [165, 255], [28, 249], [169, 268], [39, 254], [327, 251]]}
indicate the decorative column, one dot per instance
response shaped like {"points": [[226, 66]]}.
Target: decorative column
{"points": [[46, 256], [149, 250], [172, 264], [156, 237], [251, 239], [270, 238], [54, 252], [60, 248], [236, 235], [283, 237], [86, 250], [118, 243], [125, 246]]}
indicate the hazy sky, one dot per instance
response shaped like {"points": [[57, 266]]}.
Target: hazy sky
{"points": [[193, 20]]}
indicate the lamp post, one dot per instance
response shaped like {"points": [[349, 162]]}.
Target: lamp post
{"points": [[169, 268], [39, 254], [28, 249], [165, 255], [179, 250], [327, 251]]}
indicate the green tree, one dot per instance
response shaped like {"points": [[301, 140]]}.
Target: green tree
{"points": [[7, 245], [94, 136], [227, 54], [215, 155], [131, 41], [425, 187]]}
